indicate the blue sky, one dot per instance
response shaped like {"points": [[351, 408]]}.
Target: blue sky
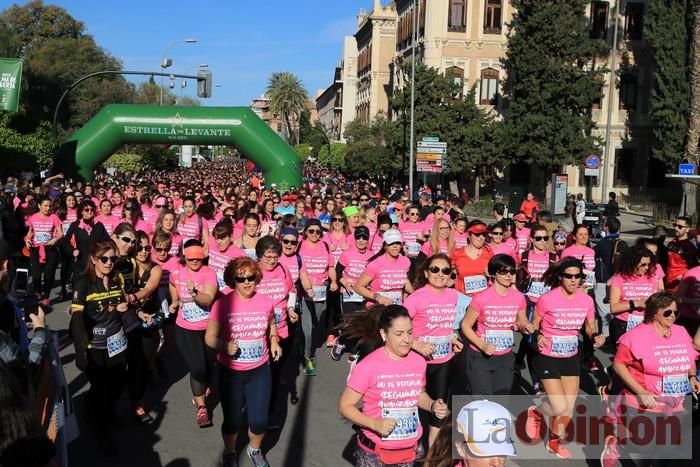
{"points": [[243, 41]]}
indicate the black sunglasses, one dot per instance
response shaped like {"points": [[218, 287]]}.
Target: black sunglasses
{"points": [[162, 250], [572, 276], [290, 242], [540, 238], [313, 231], [88, 209], [362, 237], [669, 312], [680, 226], [435, 270], [161, 206], [144, 248], [338, 219], [131, 208], [496, 233], [560, 243], [244, 279], [128, 240], [108, 259], [479, 234], [505, 271]]}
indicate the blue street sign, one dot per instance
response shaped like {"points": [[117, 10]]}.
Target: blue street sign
{"points": [[592, 161], [686, 169]]}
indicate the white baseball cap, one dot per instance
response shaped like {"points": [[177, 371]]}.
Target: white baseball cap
{"points": [[486, 427], [392, 236]]}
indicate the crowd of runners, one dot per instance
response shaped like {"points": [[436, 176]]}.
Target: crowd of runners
{"points": [[241, 278]]}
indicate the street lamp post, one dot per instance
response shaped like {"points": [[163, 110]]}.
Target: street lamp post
{"points": [[413, 99], [183, 85], [166, 62]]}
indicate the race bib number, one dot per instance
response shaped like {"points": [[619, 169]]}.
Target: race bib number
{"points": [[676, 385], [319, 293], [251, 351], [633, 321], [192, 313], [413, 248], [502, 339], [250, 253], [406, 423], [278, 315], [474, 284], [353, 297], [537, 289], [441, 345], [395, 297], [220, 281], [589, 281], [42, 237], [116, 344], [564, 345]]}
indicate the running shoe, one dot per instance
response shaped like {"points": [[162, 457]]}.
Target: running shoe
{"points": [[591, 364], [203, 419], [142, 416], [533, 424], [257, 457], [310, 367], [228, 459], [330, 340], [337, 350], [554, 446], [610, 455]]}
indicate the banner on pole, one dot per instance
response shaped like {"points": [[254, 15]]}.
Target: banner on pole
{"points": [[10, 83]]}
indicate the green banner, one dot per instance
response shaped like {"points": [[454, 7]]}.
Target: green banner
{"points": [[10, 82]]}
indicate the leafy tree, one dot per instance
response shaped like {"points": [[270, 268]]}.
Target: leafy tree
{"points": [[303, 151], [25, 151], [668, 33], [123, 162], [369, 151], [333, 156], [551, 85], [288, 97], [305, 128]]}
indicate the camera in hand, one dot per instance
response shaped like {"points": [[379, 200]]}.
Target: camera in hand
{"points": [[30, 305]]}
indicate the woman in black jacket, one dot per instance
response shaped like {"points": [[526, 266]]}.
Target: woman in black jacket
{"points": [[81, 235]]}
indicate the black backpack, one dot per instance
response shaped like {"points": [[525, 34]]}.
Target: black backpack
{"points": [[523, 280]]}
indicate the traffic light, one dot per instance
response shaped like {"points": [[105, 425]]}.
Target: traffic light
{"points": [[204, 83]]}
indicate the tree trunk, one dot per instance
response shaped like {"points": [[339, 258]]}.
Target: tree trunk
{"points": [[691, 152], [476, 186], [290, 133]]}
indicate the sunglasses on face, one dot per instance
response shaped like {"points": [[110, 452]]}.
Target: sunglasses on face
{"points": [[338, 219], [434, 269], [506, 271], [313, 232], [290, 242], [128, 240], [362, 237], [131, 208], [412, 214], [364, 199], [566, 275], [480, 234], [161, 206], [108, 259], [496, 234], [162, 250], [559, 243], [88, 209], [669, 312], [292, 224], [146, 248], [680, 226], [244, 279], [540, 238]]}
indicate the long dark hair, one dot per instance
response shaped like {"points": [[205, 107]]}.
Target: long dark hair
{"points": [[97, 250], [627, 263], [552, 276], [363, 328], [420, 279]]}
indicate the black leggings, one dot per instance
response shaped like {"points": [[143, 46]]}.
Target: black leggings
{"points": [[490, 375], [66, 268], [141, 353], [106, 376], [250, 388], [47, 270], [437, 386], [198, 357]]}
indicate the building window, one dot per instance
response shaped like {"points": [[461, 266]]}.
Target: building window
{"points": [[634, 21], [492, 16], [597, 101], [599, 20], [628, 92], [456, 74], [624, 167], [489, 86], [457, 21]]}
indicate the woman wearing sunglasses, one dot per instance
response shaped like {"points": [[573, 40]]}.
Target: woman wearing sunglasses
{"points": [[559, 315], [133, 215], [317, 277], [488, 326], [471, 262], [339, 237], [653, 384], [412, 230], [440, 239], [193, 288], [496, 243], [44, 233], [99, 338], [242, 331], [81, 235], [161, 256], [559, 242], [432, 308], [223, 253], [290, 259], [144, 340]]}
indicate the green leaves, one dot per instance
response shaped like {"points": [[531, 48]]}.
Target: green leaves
{"points": [[289, 98]]}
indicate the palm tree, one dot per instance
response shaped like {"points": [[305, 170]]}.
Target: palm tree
{"points": [[288, 97]]}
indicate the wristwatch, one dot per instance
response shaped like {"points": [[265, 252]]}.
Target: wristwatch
{"points": [[632, 305]]}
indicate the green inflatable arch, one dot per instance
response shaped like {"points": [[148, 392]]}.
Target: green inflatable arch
{"points": [[119, 124]]}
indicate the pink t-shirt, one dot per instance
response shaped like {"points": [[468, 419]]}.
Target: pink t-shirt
{"points": [[246, 321], [389, 276], [390, 389], [268, 227], [461, 239], [692, 280], [659, 272], [109, 222], [189, 227], [175, 245], [665, 361], [143, 226], [427, 249], [409, 232], [497, 317], [354, 263], [150, 215], [338, 244], [71, 216], [537, 264], [315, 261], [433, 312], [276, 285], [219, 260], [522, 237], [562, 318], [292, 265], [377, 242], [634, 288], [44, 227], [587, 256], [191, 316], [504, 248], [117, 210]]}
